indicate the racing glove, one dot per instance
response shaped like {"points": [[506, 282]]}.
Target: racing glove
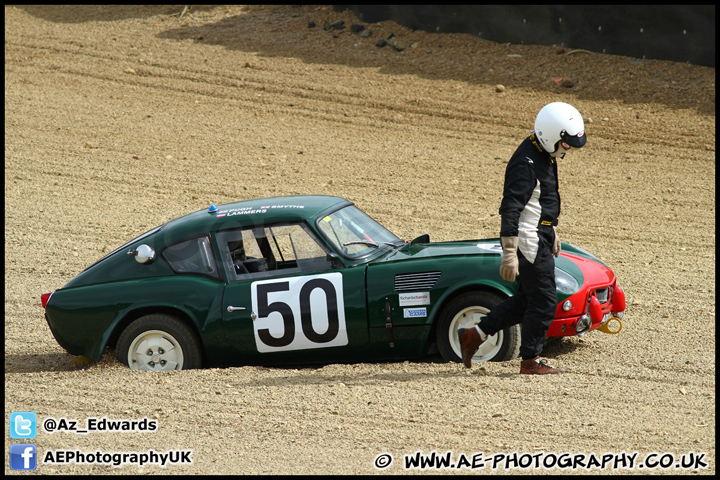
{"points": [[509, 266], [556, 244]]}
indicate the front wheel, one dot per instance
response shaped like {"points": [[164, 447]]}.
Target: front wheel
{"points": [[466, 311], [158, 343]]}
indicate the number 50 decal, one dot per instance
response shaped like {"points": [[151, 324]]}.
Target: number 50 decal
{"points": [[299, 313]]}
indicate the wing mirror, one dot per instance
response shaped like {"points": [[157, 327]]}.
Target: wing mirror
{"points": [[425, 238]]}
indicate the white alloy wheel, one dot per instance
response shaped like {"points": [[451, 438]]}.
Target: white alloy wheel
{"points": [[155, 350], [468, 318]]}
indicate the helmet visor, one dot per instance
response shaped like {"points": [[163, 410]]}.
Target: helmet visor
{"points": [[575, 141]]}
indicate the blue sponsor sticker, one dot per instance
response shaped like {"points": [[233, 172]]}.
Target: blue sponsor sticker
{"points": [[414, 312]]}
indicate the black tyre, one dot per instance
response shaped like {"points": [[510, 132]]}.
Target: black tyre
{"points": [[465, 311], [159, 342]]}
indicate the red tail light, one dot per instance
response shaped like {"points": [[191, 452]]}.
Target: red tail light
{"points": [[618, 300], [595, 310], [44, 298]]}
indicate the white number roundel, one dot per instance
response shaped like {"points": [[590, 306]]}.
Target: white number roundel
{"points": [[299, 313]]}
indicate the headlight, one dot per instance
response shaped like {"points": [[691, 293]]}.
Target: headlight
{"points": [[583, 324], [565, 283]]}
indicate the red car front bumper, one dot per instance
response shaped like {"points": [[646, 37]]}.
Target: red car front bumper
{"points": [[598, 301]]}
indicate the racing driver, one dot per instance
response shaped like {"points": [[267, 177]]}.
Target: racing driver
{"points": [[529, 209]]}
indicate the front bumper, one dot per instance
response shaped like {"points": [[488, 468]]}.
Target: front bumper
{"points": [[604, 308], [568, 327]]}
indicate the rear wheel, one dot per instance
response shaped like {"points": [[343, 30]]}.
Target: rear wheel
{"points": [[466, 311], [159, 342]]}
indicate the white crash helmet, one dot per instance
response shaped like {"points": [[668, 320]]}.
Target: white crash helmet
{"points": [[557, 122]]}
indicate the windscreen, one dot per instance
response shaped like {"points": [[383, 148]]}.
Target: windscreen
{"points": [[354, 233]]}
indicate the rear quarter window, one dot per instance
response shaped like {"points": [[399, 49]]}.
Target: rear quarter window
{"points": [[192, 256]]}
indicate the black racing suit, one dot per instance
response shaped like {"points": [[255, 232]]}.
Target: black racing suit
{"points": [[529, 209]]}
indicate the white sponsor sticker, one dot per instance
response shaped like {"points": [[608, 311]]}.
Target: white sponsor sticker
{"points": [[414, 312], [417, 298]]}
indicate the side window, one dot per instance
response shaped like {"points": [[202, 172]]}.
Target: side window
{"points": [[269, 251], [192, 256]]}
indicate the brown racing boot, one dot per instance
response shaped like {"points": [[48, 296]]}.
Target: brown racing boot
{"points": [[535, 366], [470, 341]]}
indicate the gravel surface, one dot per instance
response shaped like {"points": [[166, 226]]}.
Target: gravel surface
{"points": [[118, 119]]}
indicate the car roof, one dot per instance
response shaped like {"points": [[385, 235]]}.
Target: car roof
{"points": [[254, 212]]}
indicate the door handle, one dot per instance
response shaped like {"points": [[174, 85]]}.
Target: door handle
{"points": [[232, 309]]}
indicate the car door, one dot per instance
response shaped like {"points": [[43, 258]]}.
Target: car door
{"points": [[285, 303]]}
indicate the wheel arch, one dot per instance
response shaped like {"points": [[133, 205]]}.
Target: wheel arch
{"points": [[450, 296], [133, 315]]}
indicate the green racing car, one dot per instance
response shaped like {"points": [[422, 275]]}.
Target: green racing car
{"points": [[304, 279]]}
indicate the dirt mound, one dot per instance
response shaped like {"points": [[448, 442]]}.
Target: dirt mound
{"points": [[118, 119]]}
